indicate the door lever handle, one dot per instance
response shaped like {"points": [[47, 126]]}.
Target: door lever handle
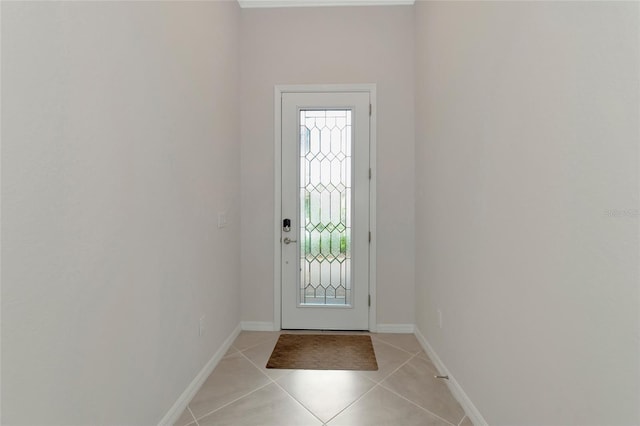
{"points": [[288, 240]]}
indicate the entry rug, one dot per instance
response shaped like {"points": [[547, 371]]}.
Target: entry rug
{"points": [[323, 352]]}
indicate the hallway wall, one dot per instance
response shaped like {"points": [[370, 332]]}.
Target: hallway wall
{"points": [[311, 45], [527, 206], [120, 143]]}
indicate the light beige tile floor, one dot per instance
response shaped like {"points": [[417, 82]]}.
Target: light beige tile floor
{"points": [[242, 392]]}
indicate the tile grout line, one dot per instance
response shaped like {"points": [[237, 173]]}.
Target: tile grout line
{"points": [[396, 347], [417, 405], [231, 402], [376, 384], [394, 371], [256, 366], [298, 402], [252, 346], [283, 389], [239, 351], [415, 355], [192, 415], [352, 403]]}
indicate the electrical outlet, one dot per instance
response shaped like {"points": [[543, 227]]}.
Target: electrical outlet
{"points": [[222, 219], [201, 326], [439, 318]]}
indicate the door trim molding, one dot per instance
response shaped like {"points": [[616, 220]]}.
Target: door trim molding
{"points": [[277, 108]]}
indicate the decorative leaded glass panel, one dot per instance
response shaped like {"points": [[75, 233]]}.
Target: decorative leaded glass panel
{"points": [[325, 207]]}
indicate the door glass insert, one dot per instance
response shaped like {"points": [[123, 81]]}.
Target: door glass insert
{"points": [[325, 207]]}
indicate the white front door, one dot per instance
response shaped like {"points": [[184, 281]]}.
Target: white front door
{"points": [[325, 210]]}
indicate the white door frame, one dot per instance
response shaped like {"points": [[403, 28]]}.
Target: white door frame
{"points": [[277, 245]]}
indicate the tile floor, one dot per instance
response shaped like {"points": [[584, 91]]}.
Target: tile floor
{"points": [[240, 391]]}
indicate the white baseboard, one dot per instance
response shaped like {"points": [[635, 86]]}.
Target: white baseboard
{"points": [[176, 410], [396, 328], [257, 326], [470, 410]]}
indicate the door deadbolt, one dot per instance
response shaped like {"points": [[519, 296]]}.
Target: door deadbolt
{"points": [[286, 225]]}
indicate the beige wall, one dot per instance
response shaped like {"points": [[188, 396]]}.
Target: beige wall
{"points": [[526, 140], [120, 142], [329, 45]]}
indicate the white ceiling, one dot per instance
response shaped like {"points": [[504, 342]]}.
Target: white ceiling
{"points": [[309, 3]]}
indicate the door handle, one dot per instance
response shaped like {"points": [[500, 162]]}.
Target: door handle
{"points": [[288, 240]]}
